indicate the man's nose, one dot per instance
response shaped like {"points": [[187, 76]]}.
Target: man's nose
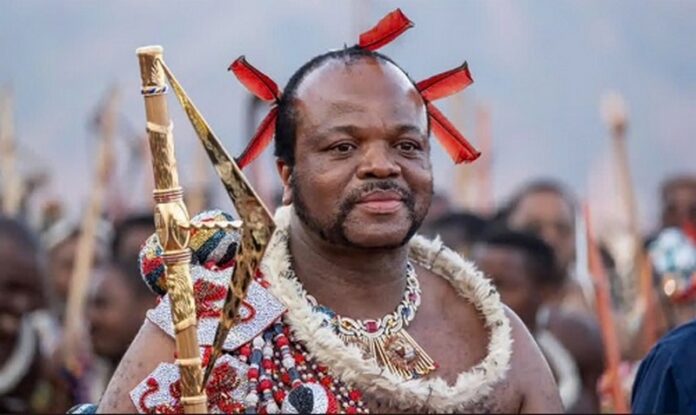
{"points": [[378, 163]]}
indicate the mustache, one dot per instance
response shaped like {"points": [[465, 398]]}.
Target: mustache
{"points": [[352, 199]]}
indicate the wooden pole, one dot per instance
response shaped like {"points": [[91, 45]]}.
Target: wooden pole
{"points": [[612, 349], [11, 183], [615, 115], [172, 223], [484, 167], [86, 243]]}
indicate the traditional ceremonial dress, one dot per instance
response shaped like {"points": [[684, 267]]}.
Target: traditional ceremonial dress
{"points": [[287, 355]]}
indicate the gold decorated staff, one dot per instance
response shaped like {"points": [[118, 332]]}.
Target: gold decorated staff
{"points": [[172, 223]]}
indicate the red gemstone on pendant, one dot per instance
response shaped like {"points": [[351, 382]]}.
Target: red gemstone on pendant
{"points": [[285, 377], [299, 359], [279, 395], [267, 364], [253, 373], [371, 326]]}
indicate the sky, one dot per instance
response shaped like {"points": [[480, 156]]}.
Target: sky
{"points": [[539, 66]]}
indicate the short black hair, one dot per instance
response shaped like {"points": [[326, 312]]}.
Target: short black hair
{"points": [[467, 226], [539, 256], [129, 271], [286, 124], [20, 234], [145, 219], [536, 186]]}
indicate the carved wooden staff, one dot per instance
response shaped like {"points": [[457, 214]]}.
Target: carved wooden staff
{"points": [[612, 350], [616, 117], [86, 243], [172, 223]]}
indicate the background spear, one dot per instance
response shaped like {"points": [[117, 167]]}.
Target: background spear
{"points": [[615, 115], [11, 183], [85, 252], [602, 301]]}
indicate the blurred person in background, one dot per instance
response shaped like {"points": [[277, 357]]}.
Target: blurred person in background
{"points": [[130, 234], [116, 309], [678, 201], [23, 380], [544, 208], [672, 251], [523, 269], [60, 242], [457, 230]]}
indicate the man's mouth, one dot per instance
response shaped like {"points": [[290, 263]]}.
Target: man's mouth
{"points": [[381, 202]]}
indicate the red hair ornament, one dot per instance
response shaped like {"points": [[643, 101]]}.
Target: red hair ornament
{"points": [[389, 28]]}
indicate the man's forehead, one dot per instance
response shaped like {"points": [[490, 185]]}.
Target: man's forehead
{"points": [[344, 81]]}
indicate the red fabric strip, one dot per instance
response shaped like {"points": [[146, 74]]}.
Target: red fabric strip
{"points": [[261, 139], [254, 80], [445, 83], [386, 30], [452, 140]]}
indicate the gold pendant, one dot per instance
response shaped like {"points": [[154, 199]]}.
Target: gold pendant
{"points": [[398, 352]]}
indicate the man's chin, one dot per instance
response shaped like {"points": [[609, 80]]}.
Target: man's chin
{"points": [[375, 238]]}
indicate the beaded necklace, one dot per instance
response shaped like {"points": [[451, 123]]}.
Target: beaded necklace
{"points": [[384, 339]]}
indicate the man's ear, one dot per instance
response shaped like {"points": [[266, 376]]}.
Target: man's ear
{"points": [[285, 173]]}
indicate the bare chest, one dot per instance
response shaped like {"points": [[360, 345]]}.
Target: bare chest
{"points": [[502, 399]]}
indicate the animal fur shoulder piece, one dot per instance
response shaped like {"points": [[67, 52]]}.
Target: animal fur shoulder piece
{"points": [[432, 394]]}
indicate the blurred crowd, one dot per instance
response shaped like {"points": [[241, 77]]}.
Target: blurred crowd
{"points": [[536, 248], [529, 248]]}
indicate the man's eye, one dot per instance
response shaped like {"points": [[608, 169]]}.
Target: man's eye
{"points": [[408, 147], [343, 148]]}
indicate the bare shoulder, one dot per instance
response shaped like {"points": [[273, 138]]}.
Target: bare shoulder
{"points": [[150, 347], [527, 363], [581, 335]]}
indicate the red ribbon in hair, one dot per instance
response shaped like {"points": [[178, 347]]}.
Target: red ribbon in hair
{"points": [[431, 89]]}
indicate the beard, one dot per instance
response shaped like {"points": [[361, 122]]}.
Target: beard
{"points": [[334, 231]]}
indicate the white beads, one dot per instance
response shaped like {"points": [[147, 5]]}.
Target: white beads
{"points": [[258, 342], [268, 352], [251, 399]]}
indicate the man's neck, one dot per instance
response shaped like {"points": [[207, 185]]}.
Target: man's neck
{"points": [[356, 283]]}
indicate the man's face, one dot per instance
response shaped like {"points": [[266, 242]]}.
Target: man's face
{"points": [[21, 289], [61, 261], [362, 176], [132, 241], [114, 313], [547, 215], [679, 205], [506, 268]]}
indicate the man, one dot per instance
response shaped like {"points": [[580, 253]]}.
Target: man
{"points": [[522, 268], [458, 231], [21, 296], [666, 379], [116, 309], [129, 234], [678, 201], [545, 209], [60, 242], [352, 142]]}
